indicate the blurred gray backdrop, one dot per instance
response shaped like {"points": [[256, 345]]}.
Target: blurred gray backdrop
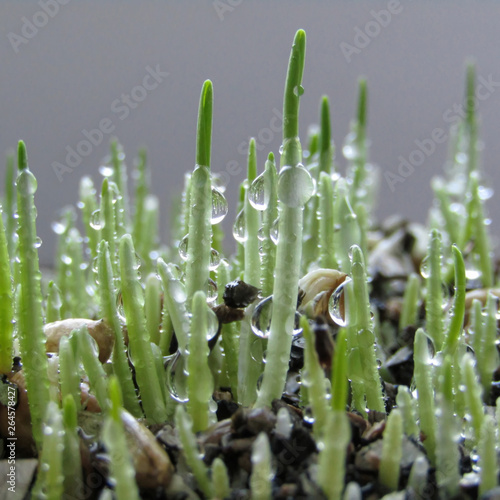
{"points": [[74, 71]]}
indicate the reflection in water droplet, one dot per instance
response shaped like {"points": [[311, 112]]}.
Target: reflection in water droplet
{"points": [[258, 195], [298, 90], [183, 248], [219, 206], [308, 416], [239, 229], [281, 149], [274, 233], [38, 242], [214, 259], [261, 319], [425, 267], [336, 304], [212, 324], [295, 186], [175, 377], [95, 220], [211, 291], [261, 234], [258, 350], [26, 182]]}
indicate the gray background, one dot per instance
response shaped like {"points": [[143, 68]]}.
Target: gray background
{"points": [[68, 74]]}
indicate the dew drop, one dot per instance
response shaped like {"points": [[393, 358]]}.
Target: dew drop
{"points": [[261, 319], [106, 170], [219, 206], [261, 234], [257, 350], [425, 268], [239, 228], [214, 259], [298, 90], [26, 182], [95, 220], [295, 186], [212, 324], [274, 233], [308, 416], [258, 195], [211, 291], [484, 192], [58, 227], [38, 242], [336, 304], [350, 149], [66, 259], [176, 380], [281, 149], [183, 248]]}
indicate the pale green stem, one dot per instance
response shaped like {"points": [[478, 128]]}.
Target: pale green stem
{"points": [[114, 438], [9, 206], [392, 452], [139, 345], [423, 382], [404, 402], [69, 376], [120, 180], [332, 455], [93, 368], [313, 378], [72, 464], [447, 453], [487, 354], [152, 307], [270, 215], [339, 373], [249, 369], [88, 206], [488, 461], [200, 383], [229, 333], [6, 304], [49, 482], [194, 461], [141, 191], [409, 309], [327, 223], [200, 231], [288, 254], [108, 221], [54, 303], [175, 299], [457, 319], [366, 338], [434, 298], [78, 297], [220, 479], [260, 480], [30, 328], [473, 396], [109, 312]]}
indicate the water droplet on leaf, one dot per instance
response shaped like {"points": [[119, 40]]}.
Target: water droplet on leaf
{"points": [[261, 319], [239, 228], [183, 248], [95, 220], [336, 304], [295, 186], [258, 195], [219, 206]]}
